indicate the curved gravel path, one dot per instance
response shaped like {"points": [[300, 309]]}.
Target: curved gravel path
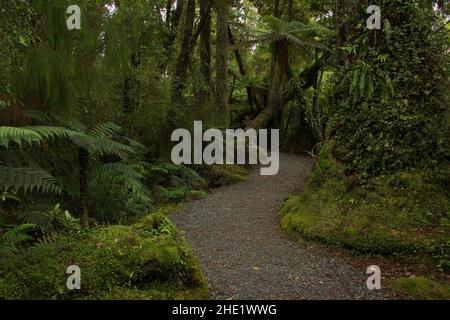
{"points": [[235, 233]]}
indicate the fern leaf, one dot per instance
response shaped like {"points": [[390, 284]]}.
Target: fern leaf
{"points": [[18, 233], [129, 176], [104, 130], [28, 180], [10, 135], [47, 132], [30, 135]]}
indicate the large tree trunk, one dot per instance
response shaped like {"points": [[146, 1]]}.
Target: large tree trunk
{"points": [[222, 62], [270, 116]]}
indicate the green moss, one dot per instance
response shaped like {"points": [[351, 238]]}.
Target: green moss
{"points": [[148, 260], [421, 288], [402, 213]]}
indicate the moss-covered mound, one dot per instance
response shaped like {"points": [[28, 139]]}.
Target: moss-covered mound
{"points": [[406, 212], [421, 288], [149, 260]]}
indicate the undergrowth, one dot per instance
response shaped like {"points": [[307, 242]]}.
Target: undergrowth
{"points": [[148, 260]]}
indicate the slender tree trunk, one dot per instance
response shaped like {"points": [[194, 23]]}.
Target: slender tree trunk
{"points": [[343, 7], [168, 13], [83, 158], [172, 26], [317, 112], [131, 85], [251, 96], [205, 51], [222, 62]]}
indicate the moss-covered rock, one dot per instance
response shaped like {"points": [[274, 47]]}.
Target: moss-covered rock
{"points": [[149, 260]]}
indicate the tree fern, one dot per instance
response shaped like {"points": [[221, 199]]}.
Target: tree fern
{"points": [[296, 32]]}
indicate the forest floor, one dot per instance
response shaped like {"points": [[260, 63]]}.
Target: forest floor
{"points": [[236, 235]]}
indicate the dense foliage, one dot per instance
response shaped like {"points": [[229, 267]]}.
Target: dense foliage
{"points": [[86, 118], [382, 182], [396, 115]]}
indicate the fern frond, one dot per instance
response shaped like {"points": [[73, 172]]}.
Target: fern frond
{"points": [[47, 239], [48, 132], [99, 141], [186, 175], [130, 176], [18, 233], [28, 180], [99, 146], [296, 32], [38, 115], [104, 130], [10, 135], [30, 135]]}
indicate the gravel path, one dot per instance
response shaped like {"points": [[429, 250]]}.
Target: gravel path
{"points": [[235, 233]]}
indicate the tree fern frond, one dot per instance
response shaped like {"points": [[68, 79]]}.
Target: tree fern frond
{"points": [[189, 176], [296, 32], [18, 233], [302, 42], [104, 130], [47, 239], [130, 176], [38, 115], [10, 135], [30, 135], [99, 146], [28, 180], [48, 132]]}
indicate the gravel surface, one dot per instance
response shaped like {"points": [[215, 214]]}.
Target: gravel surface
{"points": [[235, 233]]}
